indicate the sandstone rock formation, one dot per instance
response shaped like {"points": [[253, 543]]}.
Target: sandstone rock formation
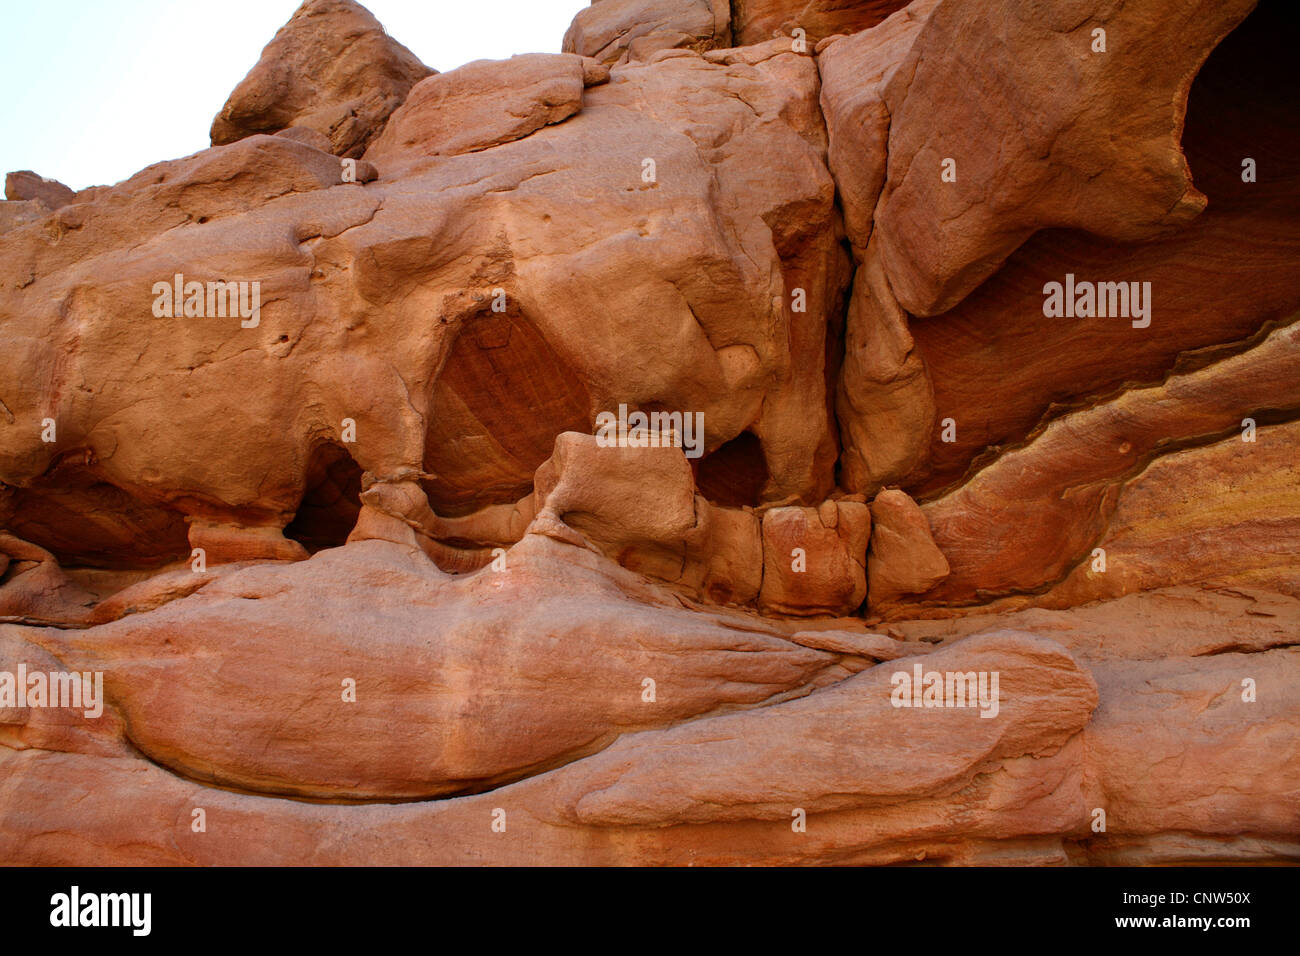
{"points": [[776, 431], [331, 69], [27, 185], [758, 20], [904, 558], [615, 31]]}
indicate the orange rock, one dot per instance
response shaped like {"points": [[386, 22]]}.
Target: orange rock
{"points": [[757, 20], [366, 673], [814, 559], [998, 368], [21, 212], [614, 31], [366, 368], [1108, 122], [1027, 519], [903, 558], [480, 105], [976, 803], [26, 185], [331, 69], [884, 398]]}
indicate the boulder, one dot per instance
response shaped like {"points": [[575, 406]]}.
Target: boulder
{"points": [[331, 69], [27, 185], [615, 31]]}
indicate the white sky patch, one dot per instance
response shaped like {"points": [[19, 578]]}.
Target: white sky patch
{"points": [[96, 91]]}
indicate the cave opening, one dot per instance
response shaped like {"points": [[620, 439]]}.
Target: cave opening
{"points": [[735, 474], [331, 502], [1242, 105]]}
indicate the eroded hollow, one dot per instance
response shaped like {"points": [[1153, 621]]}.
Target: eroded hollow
{"points": [[503, 396], [998, 367], [331, 502], [733, 475], [85, 521]]}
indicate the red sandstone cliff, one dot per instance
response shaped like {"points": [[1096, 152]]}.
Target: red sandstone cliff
{"points": [[304, 448]]}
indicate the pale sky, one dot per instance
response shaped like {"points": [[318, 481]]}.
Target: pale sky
{"points": [[96, 90]]}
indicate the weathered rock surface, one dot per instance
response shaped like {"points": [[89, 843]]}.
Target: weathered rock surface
{"points": [[755, 21], [807, 759], [331, 69], [1100, 152], [615, 31], [305, 451], [21, 212], [1025, 521], [27, 185], [998, 366], [198, 678], [904, 558], [481, 105], [884, 397], [1172, 724], [384, 283], [814, 558]]}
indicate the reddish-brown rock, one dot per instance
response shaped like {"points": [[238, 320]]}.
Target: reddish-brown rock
{"points": [[19, 213], [757, 20], [884, 397], [481, 105], [614, 31], [999, 367], [433, 708], [903, 558], [814, 559], [305, 456], [1026, 520], [27, 185], [331, 69], [418, 391], [1100, 152]]}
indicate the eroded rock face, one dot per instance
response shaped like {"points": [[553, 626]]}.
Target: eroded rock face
{"points": [[1035, 514], [755, 21], [904, 558], [884, 396], [814, 558], [331, 69], [997, 365], [461, 280], [195, 713], [20, 212], [647, 444], [27, 185], [1100, 152], [482, 105], [614, 31]]}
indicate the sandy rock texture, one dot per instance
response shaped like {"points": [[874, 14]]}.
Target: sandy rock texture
{"points": [[761, 432], [331, 69], [615, 31]]}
